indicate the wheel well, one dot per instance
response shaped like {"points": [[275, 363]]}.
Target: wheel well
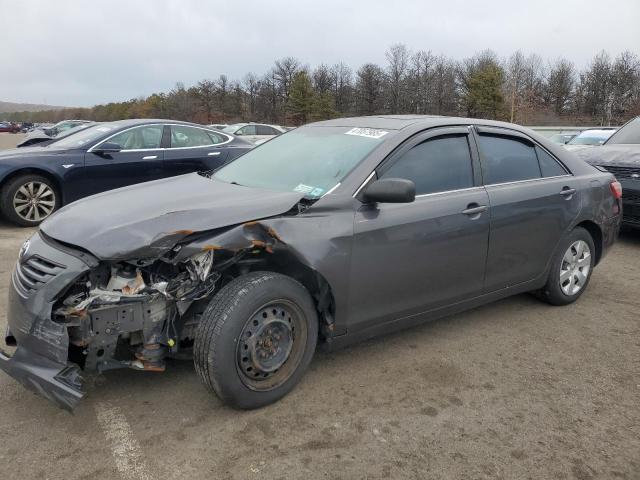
{"points": [[282, 261], [34, 171], [596, 235]]}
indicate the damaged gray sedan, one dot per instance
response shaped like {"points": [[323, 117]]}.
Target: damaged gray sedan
{"points": [[331, 233]]}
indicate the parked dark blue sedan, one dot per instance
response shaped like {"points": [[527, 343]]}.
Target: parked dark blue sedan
{"points": [[35, 181]]}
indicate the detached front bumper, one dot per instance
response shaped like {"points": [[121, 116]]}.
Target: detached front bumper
{"points": [[58, 383]]}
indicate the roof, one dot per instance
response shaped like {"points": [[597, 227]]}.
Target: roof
{"points": [[142, 121], [398, 122]]}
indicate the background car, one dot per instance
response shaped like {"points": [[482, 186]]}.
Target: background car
{"points": [[35, 181], [254, 131], [590, 138], [44, 133], [620, 155], [218, 126], [63, 126], [39, 137], [9, 127], [563, 138]]}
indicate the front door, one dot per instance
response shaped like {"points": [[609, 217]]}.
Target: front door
{"points": [[139, 160], [414, 257], [193, 149]]}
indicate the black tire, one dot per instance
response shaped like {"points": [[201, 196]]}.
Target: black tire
{"points": [[219, 343], [552, 292], [9, 191]]}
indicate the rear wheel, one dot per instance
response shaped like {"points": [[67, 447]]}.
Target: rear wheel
{"points": [[28, 199], [571, 269], [256, 339]]}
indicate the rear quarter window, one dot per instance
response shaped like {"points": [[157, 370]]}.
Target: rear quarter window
{"points": [[549, 166], [507, 159]]}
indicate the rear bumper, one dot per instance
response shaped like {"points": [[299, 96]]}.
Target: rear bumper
{"points": [[61, 384], [610, 231]]}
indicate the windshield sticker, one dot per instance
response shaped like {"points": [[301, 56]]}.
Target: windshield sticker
{"points": [[302, 188], [316, 192], [367, 132]]}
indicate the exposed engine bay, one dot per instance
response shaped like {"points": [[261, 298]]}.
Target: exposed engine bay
{"points": [[135, 313]]}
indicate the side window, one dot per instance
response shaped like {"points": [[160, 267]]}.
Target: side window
{"points": [[247, 130], [549, 165], [184, 136], [139, 137], [507, 159], [265, 130], [216, 137], [435, 165]]}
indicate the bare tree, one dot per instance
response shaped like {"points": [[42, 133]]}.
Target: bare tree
{"points": [[560, 85], [397, 68], [369, 89], [342, 87]]}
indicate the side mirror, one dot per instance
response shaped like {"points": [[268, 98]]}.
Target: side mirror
{"points": [[107, 147], [390, 190]]}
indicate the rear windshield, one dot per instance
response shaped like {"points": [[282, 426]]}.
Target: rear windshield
{"points": [[591, 137], [628, 134]]}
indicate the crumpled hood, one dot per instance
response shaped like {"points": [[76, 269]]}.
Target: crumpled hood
{"points": [[147, 219], [623, 155]]}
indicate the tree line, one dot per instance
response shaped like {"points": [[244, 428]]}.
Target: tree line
{"points": [[521, 88]]}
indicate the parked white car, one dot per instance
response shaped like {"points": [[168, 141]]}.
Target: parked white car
{"points": [[218, 126], [254, 132], [589, 138]]}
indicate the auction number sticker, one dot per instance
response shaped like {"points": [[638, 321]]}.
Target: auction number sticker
{"points": [[367, 132]]}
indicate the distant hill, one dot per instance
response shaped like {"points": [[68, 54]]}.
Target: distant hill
{"points": [[9, 107]]}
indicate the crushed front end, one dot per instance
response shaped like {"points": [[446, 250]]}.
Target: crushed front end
{"points": [[40, 361], [72, 315]]}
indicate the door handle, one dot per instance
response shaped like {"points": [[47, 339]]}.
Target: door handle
{"points": [[213, 154], [475, 210], [567, 192], [150, 157]]}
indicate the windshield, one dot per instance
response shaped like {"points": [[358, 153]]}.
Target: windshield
{"points": [[591, 137], [628, 134], [310, 160], [83, 137]]}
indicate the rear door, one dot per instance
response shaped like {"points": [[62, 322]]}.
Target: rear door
{"points": [[265, 132], [533, 199], [193, 149], [414, 257], [140, 160]]}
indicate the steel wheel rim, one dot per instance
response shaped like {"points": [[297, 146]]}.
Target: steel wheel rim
{"points": [[575, 267], [263, 361], [34, 201]]}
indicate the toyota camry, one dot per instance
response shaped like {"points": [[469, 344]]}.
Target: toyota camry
{"points": [[329, 234]]}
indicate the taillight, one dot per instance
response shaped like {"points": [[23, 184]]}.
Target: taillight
{"points": [[616, 189]]}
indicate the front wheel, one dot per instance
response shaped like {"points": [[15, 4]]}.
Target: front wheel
{"points": [[28, 199], [571, 269], [256, 339]]}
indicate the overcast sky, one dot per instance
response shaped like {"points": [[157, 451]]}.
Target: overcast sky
{"points": [[79, 53]]}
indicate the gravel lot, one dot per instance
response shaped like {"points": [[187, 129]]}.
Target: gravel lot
{"points": [[10, 140], [513, 390]]}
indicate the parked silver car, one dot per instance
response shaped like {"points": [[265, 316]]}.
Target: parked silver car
{"points": [[254, 132]]}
